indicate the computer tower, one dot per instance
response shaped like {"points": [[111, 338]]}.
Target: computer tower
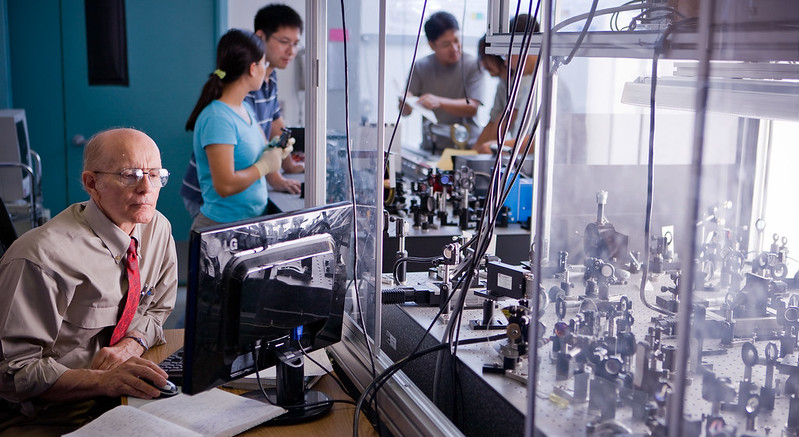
{"points": [[15, 183]]}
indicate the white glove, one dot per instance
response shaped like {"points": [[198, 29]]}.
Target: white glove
{"points": [[270, 161], [275, 143], [289, 148]]}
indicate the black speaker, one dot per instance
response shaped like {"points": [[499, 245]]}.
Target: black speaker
{"points": [[106, 42]]}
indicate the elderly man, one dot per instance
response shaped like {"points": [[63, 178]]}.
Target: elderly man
{"points": [[82, 297]]}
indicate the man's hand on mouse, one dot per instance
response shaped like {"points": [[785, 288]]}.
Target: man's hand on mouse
{"points": [[130, 379], [112, 356]]}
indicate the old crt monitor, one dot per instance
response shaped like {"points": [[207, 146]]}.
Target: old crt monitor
{"points": [[15, 183], [261, 289]]}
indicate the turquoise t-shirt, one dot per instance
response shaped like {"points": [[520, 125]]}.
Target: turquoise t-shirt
{"points": [[219, 124]]}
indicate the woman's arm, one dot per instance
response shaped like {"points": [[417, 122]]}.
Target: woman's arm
{"points": [[226, 179]]}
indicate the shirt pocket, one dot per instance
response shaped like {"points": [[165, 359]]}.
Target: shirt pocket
{"points": [[88, 317], [146, 298]]}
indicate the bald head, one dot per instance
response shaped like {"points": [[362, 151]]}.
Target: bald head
{"points": [[105, 156], [106, 145]]}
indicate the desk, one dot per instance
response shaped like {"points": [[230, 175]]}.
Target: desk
{"points": [[337, 422], [286, 202]]}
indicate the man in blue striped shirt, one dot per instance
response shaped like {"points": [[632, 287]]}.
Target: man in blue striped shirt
{"points": [[280, 27]]}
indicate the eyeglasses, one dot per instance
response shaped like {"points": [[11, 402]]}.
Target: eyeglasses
{"points": [[447, 44], [285, 42], [130, 177]]}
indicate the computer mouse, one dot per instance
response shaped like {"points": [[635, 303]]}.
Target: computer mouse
{"points": [[167, 390]]}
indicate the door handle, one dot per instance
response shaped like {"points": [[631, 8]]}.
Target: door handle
{"points": [[79, 140]]}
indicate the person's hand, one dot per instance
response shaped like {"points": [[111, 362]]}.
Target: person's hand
{"points": [[112, 356], [407, 109], [288, 149], [127, 379], [270, 161], [292, 165], [285, 185], [430, 101]]}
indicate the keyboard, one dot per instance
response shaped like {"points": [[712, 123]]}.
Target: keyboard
{"points": [[173, 366]]}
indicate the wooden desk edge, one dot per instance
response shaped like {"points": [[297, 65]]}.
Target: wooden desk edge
{"points": [[174, 341], [339, 420]]}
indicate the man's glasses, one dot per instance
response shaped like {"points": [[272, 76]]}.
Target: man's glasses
{"points": [[447, 44], [285, 42], [130, 177]]}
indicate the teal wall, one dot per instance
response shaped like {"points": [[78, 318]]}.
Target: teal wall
{"points": [[35, 62], [5, 74], [171, 50]]}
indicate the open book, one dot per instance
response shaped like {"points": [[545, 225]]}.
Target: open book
{"points": [[210, 413]]}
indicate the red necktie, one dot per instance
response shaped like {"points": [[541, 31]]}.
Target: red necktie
{"points": [[134, 291]]}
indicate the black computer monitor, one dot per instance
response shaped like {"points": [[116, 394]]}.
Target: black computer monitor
{"points": [[261, 289]]}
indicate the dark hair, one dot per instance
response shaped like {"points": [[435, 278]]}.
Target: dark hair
{"points": [[438, 23], [481, 53], [519, 22], [272, 17], [236, 51]]}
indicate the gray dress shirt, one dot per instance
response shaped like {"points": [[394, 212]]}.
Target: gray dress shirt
{"points": [[62, 288]]}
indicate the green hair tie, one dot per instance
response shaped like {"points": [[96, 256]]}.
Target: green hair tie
{"points": [[219, 73]]}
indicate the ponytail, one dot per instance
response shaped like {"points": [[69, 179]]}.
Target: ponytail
{"points": [[212, 90], [236, 51]]}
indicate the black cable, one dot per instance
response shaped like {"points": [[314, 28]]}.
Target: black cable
{"points": [[327, 372], [407, 87], [415, 259], [258, 376], [394, 368], [303, 406], [328, 402], [416, 348], [441, 309], [503, 124], [385, 377], [614, 17], [650, 183], [659, 48], [580, 38], [463, 62], [606, 11], [654, 9], [488, 219]]}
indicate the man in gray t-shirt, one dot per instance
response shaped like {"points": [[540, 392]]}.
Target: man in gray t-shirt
{"points": [[447, 82]]}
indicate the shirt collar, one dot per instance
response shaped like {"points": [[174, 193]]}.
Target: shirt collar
{"points": [[115, 239], [270, 82]]}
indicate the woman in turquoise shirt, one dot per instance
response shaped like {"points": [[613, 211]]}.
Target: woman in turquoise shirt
{"points": [[230, 147]]}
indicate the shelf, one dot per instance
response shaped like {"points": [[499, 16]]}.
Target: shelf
{"points": [[729, 45]]}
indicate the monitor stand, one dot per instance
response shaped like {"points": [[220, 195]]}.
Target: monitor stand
{"points": [[290, 393]]}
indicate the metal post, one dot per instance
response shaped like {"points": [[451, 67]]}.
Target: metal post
{"points": [[316, 102], [542, 158], [676, 420]]}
